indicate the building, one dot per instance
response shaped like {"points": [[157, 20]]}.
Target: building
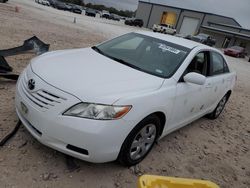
{"points": [[227, 31]]}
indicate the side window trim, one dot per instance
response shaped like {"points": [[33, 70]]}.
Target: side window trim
{"points": [[207, 54]]}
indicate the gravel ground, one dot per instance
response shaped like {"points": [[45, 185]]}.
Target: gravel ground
{"points": [[215, 150]]}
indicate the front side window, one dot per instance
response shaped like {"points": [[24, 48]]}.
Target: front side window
{"points": [[145, 53], [199, 64]]}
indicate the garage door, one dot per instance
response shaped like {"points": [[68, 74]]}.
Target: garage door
{"points": [[189, 26]]}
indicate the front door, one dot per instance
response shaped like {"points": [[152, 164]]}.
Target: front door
{"points": [[191, 100]]}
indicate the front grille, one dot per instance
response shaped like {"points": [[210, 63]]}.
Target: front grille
{"points": [[41, 98], [78, 150]]}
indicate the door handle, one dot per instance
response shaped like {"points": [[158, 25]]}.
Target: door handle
{"points": [[209, 85]]}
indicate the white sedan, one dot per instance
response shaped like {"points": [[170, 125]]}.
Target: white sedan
{"points": [[164, 28], [114, 100]]}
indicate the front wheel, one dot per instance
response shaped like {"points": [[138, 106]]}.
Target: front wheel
{"points": [[219, 108], [140, 141]]}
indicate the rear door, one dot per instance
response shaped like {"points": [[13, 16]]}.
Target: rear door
{"points": [[219, 79]]}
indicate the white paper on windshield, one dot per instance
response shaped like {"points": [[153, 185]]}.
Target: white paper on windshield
{"points": [[158, 71], [165, 48]]}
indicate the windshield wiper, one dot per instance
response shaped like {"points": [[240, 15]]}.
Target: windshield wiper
{"points": [[97, 49], [125, 63], [116, 59]]}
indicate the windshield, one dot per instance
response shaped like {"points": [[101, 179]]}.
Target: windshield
{"points": [[144, 53], [202, 36]]}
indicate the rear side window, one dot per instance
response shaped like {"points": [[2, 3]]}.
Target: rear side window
{"points": [[219, 65], [226, 69]]}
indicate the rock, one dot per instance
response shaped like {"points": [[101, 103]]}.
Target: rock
{"points": [[1, 160], [235, 178], [103, 186], [248, 173], [164, 169], [117, 184], [136, 170], [190, 169], [225, 178], [206, 151], [24, 151], [46, 176], [54, 176], [128, 181], [23, 144]]}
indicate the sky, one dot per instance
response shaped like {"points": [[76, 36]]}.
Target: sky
{"points": [[238, 9]]}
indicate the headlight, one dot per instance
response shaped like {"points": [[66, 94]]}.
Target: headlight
{"points": [[97, 111]]}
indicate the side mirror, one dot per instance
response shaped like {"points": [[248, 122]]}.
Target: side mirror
{"points": [[195, 78]]}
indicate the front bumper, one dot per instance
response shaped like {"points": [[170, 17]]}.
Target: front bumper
{"points": [[101, 139]]}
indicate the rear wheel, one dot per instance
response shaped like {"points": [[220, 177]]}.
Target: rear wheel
{"points": [[140, 141], [219, 108]]}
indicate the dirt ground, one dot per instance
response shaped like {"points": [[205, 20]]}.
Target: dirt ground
{"points": [[215, 150]]}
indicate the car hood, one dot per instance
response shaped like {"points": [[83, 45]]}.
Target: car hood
{"points": [[232, 50], [92, 77]]}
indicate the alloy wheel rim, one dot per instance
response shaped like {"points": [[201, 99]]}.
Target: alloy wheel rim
{"points": [[143, 142], [221, 106]]}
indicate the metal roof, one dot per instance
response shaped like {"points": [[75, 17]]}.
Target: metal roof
{"points": [[237, 34], [191, 5]]}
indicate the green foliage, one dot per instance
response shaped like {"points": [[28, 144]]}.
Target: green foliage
{"points": [[112, 10], [77, 2]]}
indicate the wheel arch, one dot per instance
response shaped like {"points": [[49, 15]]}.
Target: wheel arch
{"points": [[162, 118], [228, 94]]}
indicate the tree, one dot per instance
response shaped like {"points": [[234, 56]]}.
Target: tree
{"points": [[112, 10], [77, 2]]}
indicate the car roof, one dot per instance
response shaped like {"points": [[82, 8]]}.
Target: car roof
{"points": [[176, 40]]}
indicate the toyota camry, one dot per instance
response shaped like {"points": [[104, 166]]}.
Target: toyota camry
{"points": [[113, 101]]}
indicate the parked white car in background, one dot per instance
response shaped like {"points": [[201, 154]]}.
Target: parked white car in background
{"points": [[164, 28], [43, 2], [114, 100]]}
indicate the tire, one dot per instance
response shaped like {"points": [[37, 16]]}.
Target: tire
{"points": [[219, 108], [131, 155]]}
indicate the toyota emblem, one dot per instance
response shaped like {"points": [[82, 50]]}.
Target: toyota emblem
{"points": [[31, 84]]}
